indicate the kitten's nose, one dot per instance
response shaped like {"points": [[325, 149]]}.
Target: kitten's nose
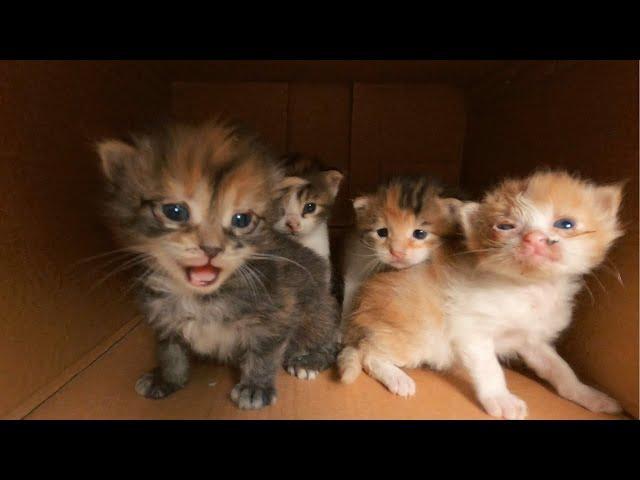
{"points": [[536, 242], [534, 237], [293, 225], [210, 251], [397, 254]]}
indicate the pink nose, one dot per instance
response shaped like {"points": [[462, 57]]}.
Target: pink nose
{"points": [[292, 225], [397, 254], [536, 242]]}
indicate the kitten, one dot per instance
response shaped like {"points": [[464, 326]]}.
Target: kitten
{"points": [[307, 195], [529, 242], [220, 282], [396, 227]]}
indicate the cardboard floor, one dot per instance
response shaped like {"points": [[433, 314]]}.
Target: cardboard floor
{"points": [[104, 390]]}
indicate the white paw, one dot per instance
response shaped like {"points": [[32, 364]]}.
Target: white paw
{"points": [[303, 373], [505, 405], [594, 400], [401, 384]]}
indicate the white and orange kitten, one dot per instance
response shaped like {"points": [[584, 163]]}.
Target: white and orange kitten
{"points": [[398, 226], [529, 243]]}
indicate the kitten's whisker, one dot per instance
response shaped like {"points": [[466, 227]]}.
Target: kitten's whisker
{"points": [[125, 250], [593, 300], [266, 256], [139, 259], [593, 274], [581, 233], [614, 271]]}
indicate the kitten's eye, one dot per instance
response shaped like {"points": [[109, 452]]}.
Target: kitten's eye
{"points": [[419, 234], [241, 220], [309, 207], [176, 212], [382, 232], [505, 226], [565, 224]]}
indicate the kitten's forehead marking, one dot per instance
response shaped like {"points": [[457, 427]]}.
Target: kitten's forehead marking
{"points": [[536, 215]]}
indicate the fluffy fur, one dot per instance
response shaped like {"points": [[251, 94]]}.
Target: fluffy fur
{"points": [[219, 281], [398, 209], [529, 242]]}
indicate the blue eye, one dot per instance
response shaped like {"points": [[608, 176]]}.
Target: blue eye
{"points": [[565, 224], [309, 208], [176, 212], [419, 234], [505, 226], [382, 232], [241, 220]]}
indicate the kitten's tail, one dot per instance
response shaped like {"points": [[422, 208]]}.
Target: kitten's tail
{"points": [[349, 364]]}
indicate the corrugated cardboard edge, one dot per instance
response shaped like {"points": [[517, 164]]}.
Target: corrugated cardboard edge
{"points": [[41, 395]]}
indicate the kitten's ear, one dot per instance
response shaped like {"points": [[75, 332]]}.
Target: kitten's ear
{"points": [[466, 213], [609, 197], [333, 178], [114, 155], [452, 206], [361, 203], [288, 182]]}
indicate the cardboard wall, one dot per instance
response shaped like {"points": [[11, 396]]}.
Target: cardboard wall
{"points": [[465, 122], [582, 117], [51, 113]]}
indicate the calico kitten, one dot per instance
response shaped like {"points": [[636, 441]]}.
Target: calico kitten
{"points": [[220, 282], [307, 195], [529, 242], [398, 226]]}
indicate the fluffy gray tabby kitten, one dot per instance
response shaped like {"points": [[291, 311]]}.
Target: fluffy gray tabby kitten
{"points": [[221, 282]]}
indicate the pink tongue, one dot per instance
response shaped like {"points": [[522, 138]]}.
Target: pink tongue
{"points": [[201, 276]]}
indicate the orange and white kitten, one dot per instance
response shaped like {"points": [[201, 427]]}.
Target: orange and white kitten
{"points": [[398, 226], [529, 243]]}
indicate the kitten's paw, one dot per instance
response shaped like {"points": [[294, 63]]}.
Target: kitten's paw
{"points": [[151, 385], [303, 373], [307, 366], [401, 384], [253, 396], [505, 405], [594, 400]]}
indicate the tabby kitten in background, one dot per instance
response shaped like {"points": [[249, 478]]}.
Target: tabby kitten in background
{"points": [[398, 226], [528, 244], [308, 193], [192, 202]]}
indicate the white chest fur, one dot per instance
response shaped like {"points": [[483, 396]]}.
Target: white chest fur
{"points": [[213, 338], [317, 240], [511, 313]]}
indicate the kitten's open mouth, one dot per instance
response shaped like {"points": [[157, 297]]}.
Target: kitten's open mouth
{"points": [[202, 276]]}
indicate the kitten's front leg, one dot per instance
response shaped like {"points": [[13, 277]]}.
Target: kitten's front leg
{"points": [[171, 374], [546, 362], [258, 366], [479, 358]]}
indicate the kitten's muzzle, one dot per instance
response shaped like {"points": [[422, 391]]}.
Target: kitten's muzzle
{"points": [[293, 226], [538, 244], [211, 252]]}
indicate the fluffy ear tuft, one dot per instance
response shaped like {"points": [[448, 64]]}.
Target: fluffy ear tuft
{"points": [[114, 154], [333, 178], [289, 182], [466, 213], [608, 198]]}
